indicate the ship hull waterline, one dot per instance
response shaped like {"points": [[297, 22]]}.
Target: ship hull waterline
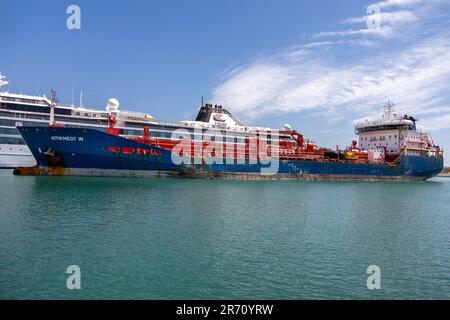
{"points": [[84, 152]]}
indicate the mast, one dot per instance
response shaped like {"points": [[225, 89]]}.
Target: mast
{"points": [[52, 108], [389, 110]]}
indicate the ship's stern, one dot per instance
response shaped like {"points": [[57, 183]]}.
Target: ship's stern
{"points": [[422, 167]]}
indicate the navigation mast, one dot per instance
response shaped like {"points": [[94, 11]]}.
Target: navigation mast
{"points": [[52, 108], [389, 110]]}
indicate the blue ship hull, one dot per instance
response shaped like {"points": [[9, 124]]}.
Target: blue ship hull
{"points": [[76, 151]]}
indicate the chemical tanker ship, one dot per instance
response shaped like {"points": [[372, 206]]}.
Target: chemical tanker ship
{"points": [[218, 145]]}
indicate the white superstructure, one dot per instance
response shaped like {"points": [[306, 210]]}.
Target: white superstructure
{"points": [[20, 110], [393, 133]]}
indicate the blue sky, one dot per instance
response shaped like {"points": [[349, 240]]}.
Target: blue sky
{"points": [[313, 64]]}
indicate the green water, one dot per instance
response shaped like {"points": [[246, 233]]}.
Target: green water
{"points": [[205, 239]]}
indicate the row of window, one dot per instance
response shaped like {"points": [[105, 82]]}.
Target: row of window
{"points": [[58, 117], [381, 138], [32, 108], [20, 122], [25, 107], [87, 114], [387, 127], [14, 123], [24, 115], [82, 121], [9, 131], [5, 140], [13, 99], [379, 144]]}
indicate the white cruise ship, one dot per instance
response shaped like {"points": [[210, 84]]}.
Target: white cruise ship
{"points": [[27, 110]]}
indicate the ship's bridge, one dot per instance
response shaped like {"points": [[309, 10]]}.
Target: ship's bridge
{"points": [[391, 132], [389, 121]]}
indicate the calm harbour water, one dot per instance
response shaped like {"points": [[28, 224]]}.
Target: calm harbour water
{"points": [[212, 239]]}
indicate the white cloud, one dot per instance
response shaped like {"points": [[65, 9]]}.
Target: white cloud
{"points": [[312, 77], [391, 21], [416, 79], [395, 17], [398, 3], [382, 31], [254, 84], [436, 123]]}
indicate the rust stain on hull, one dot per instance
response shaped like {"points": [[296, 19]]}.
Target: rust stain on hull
{"points": [[38, 171], [201, 174]]}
